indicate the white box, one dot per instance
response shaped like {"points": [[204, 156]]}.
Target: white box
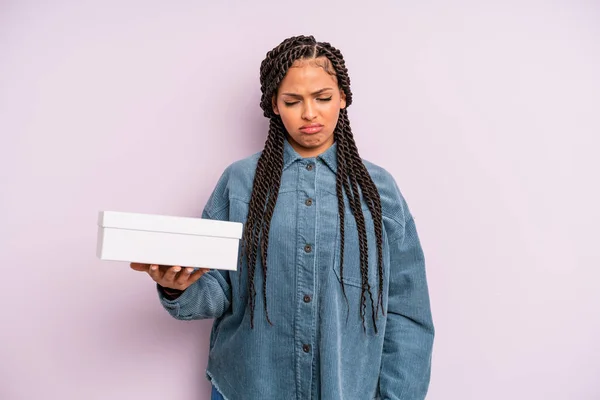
{"points": [[168, 240]]}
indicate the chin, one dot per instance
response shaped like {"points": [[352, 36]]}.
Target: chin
{"points": [[310, 142], [314, 140]]}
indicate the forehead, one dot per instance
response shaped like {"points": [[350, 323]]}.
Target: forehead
{"points": [[307, 76]]}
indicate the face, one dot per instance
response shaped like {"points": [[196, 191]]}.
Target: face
{"points": [[309, 103]]}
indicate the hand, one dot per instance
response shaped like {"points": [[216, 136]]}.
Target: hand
{"points": [[173, 277]]}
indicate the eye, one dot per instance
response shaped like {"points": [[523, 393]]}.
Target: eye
{"points": [[290, 103], [325, 99]]}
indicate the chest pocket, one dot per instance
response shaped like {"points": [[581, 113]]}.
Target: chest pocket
{"points": [[351, 272]]}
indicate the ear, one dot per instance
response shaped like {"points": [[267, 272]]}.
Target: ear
{"points": [[342, 99], [274, 104]]}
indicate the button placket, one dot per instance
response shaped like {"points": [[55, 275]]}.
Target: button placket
{"points": [[306, 270]]}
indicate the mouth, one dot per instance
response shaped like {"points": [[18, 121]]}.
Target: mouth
{"points": [[311, 129]]}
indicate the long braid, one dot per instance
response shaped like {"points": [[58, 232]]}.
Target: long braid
{"points": [[253, 225], [265, 188], [368, 186], [352, 178], [361, 176], [355, 206], [341, 184], [274, 163]]}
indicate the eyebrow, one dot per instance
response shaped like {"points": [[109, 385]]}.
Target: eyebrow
{"points": [[314, 93]]}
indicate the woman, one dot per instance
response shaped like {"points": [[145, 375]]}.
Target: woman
{"points": [[331, 299]]}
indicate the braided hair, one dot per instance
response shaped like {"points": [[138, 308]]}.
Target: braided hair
{"points": [[351, 173]]}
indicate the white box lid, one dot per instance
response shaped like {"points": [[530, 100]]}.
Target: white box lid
{"points": [[170, 224]]}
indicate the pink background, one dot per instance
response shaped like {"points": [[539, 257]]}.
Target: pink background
{"points": [[487, 115]]}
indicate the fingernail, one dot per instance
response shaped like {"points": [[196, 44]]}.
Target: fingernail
{"points": [[153, 268], [177, 269], [190, 270]]}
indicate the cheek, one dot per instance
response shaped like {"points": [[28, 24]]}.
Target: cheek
{"points": [[288, 118], [333, 112]]}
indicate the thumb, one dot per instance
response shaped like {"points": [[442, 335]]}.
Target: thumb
{"points": [[139, 267]]}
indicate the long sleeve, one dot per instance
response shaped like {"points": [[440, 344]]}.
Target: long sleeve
{"points": [[408, 340], [209, 296]]}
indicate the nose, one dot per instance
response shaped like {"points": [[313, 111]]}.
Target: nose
{"points": [[309, 113]]}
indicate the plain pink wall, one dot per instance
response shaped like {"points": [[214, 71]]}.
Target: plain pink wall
{"points": [[487, 115]]}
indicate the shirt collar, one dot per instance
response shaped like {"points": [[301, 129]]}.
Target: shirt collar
{"points": [[329, 156]]}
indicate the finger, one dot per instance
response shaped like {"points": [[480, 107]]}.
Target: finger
{"points": [[197, 275], [184, 276], [139, 267], [170, 275], [155, 273]]}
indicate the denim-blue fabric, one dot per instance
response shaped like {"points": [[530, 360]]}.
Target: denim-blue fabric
{"points": [[215, 395], [317, 347]]}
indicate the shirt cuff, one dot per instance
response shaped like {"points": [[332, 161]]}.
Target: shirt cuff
{"points": [[168, 293]]}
